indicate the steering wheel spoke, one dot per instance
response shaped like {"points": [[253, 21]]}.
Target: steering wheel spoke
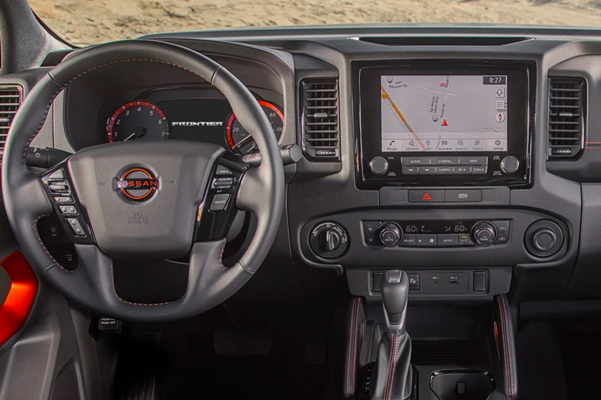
{"points": [[218, 209], [60, 190]]}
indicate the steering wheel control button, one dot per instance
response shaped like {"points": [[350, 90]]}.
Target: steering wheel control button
{"points": [[63, 200], [544, 238], [459, 196], [426, 196], [57, 175], [76, 227], [329, 240], [59, 187], [219, 202], [69, 210], [378, 165], [390, 235], [223, 183], [484, 233], [223, 170], [510, 164]]}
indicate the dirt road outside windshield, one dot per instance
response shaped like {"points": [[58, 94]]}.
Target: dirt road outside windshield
{"points": [[84, 22]]}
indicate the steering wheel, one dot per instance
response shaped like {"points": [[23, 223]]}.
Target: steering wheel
{"points": [[148, 200]]}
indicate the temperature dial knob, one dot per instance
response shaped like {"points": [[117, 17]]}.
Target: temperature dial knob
{"points": [[484, 233], [329, 240], [390, 235]]}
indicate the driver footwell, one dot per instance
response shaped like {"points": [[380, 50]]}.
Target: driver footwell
{"points": [[290, 351]]}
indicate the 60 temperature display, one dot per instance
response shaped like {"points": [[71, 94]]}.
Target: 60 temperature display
{"points": [[437, 227]]}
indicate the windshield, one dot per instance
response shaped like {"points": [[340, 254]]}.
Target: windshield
{"points": [[83, 22]]}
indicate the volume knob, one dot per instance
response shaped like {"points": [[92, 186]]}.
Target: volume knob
{"points": [[378, 165]]}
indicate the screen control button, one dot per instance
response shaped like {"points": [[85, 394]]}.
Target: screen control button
{"points": [[378, 165], [462, 170], [410, 170], [426, 170], [448, 240], [444, 170], [473, 160], [457, 196], [445, 161], [426, 240], [480, 170], [415, 161], [426, 196]]}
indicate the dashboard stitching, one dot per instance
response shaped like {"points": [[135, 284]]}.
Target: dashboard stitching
{"points": [[507, 332], [350, 346], [503, 337], [388, 370], [396, 361], [355, 345]]}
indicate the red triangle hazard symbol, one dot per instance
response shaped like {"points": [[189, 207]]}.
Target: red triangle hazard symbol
{"points": [[426, 197], [444, 122]]}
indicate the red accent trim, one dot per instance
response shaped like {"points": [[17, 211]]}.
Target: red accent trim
{"points": [[111, 122], [232, 117], [18, 303]]}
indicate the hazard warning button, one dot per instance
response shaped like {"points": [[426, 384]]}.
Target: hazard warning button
{"points": [[426, 196]]}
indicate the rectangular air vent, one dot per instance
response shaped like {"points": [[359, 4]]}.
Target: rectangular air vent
{"points": [[321, 133], [567, 105], [10, 99]]}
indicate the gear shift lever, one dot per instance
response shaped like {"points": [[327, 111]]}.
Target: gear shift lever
{"points": [[392, 377], [395, 293]]}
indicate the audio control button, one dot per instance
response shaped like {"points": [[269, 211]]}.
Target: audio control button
{"points": [[378, 165]]}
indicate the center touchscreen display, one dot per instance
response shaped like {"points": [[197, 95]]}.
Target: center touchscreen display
{"points": [[440, 113]]}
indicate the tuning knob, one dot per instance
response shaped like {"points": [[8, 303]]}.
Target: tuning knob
{"points": [[378, 165], [390, 235], [510, 164], [484, 233]]}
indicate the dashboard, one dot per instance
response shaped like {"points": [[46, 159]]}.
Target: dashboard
{"points": [[470, 154]]}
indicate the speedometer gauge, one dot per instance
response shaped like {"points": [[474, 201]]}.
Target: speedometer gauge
{"points": [[137, 120], [240, 140]]}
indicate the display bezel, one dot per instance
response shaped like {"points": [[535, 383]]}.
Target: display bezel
{"points": [[369, 132]]}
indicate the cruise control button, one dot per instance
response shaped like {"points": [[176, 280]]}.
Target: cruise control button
{"points": [[457, 196], [222, 170], [408, 241], [426, 241], [76, 227], [448, 240], [426, 196], [219, 202], [68, 209]]}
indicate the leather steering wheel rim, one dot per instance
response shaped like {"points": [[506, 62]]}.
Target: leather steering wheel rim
{"points": [[262, 190]]}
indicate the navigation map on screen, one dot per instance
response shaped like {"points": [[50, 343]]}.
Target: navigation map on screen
{"points": [[444, 113]]}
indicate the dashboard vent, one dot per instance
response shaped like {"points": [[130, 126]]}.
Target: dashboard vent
{"points": [[567, 105], [321, 133], [10, 100]]}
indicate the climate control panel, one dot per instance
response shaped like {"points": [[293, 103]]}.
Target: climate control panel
{"points": [[436, 233]]}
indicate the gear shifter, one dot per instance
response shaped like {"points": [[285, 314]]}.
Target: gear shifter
{"points": [[392, 376], [395, 293]]}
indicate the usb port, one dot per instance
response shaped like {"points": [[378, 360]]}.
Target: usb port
{"points": [[453, 280]]}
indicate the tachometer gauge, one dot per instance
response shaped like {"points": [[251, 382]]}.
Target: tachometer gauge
{"points": [[137, 120], [238, 138]]}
